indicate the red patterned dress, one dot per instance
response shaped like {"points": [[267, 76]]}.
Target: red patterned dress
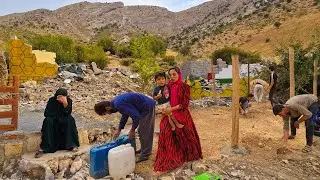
{"points": [[182, 145]]}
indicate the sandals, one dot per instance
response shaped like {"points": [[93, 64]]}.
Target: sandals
{"points": [[141, 159], [39, 153], [75, 149], [291, 137], [307, 149]]}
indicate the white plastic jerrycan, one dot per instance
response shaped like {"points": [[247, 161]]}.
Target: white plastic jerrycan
{"points": [[121, 161]]}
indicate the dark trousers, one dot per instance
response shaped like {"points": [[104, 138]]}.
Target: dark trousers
{"points": [[146, 130], [308, 123], [271, 93]]}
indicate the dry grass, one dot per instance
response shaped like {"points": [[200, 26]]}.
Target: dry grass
{"points": [[260, 133]]}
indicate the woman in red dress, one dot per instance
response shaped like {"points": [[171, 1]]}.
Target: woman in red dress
{"points": [[182, 145]]}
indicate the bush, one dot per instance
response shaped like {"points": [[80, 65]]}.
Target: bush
{"points": [[244, 57], [80, 53], [170, 60], [277, 24], [268, 40], [107, 44], [123, 51], [126, 62], [63, 47], [185, 50], [96, 54]]}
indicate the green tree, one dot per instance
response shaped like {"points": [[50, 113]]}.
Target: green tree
{"points": [[145, 59], [152, 44], [244, 57]]}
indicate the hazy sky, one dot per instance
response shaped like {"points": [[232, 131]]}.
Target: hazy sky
{"points": [[15, 6]]}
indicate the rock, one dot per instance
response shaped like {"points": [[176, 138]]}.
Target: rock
{"points": [[261, 145], [285, 161], [60, 174], [234, 173], [188, 172], [78, 176], [198, 168], [29, 84], [31, 170], [64, 164], [67, 75], [76, 165], [181, 178], [166, 178], [89, 178], [67, 81], [95, 69], [54, 165]]}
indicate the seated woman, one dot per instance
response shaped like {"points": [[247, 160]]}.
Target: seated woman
{"points": [[59, 131]]}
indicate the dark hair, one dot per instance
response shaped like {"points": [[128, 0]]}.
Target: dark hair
{"points": [[100, 108], [250, 95], [174, 68], [160, 74], [61, 92], [271, 68], [277, 109]]}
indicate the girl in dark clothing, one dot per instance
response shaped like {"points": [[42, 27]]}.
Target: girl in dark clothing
{"points": [[59, 131]]}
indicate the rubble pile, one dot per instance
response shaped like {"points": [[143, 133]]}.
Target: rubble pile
{"points": [[85, 88], [210, 101]]}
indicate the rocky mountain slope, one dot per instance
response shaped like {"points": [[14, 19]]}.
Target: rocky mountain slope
{"points": [[85, 20], [248, 24]]}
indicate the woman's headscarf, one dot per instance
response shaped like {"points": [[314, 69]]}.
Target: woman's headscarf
{"points": [[174, 87], [62, 92]]}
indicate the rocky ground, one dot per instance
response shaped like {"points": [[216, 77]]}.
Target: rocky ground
{"points": [[260, 137]]}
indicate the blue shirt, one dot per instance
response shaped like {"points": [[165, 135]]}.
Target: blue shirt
{"points": [[132, 105]]}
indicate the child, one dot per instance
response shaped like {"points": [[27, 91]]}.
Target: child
{"points": [[161, 95], [244, 103]]}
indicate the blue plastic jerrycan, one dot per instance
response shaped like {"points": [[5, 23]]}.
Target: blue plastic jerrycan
{"points": [[99, 156]]}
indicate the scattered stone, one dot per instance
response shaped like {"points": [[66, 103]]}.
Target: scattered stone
{"points": [[95, 69], [166, 178], [60, 174], [76, 165], [198, 167], [188, 172], [64, 164], [54, 165], [67, 81], [285, 161], [32, 170]]}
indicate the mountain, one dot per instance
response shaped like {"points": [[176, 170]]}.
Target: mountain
{"points": [[85, 20], [206, 27]]}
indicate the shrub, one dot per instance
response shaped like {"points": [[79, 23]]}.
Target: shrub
{"points": [[80, 53], [126, 62], [185, 50], [123, 51], [268, 39], [107, 44], [96, 54], [170, 60], [277, 24], [63, 47]]}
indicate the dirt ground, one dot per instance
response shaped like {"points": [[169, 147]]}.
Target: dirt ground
{"points": [[260, 133]]}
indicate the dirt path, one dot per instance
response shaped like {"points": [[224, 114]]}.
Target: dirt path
{"points": [[260, 133]]}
